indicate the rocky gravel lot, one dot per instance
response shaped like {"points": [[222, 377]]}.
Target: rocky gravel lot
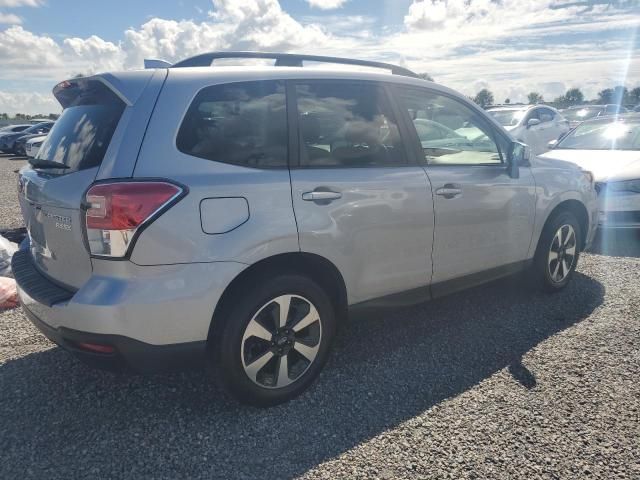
{"points": [[496, 382]]}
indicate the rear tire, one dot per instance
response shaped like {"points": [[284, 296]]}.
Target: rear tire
{"points": [[557, 253], [266, 357]]}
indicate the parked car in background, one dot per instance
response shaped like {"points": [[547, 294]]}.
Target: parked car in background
{"points": [[33, 145], [535, 125], [610, 148], [20, 144], [13, 128], [233, 215], [35, 121], [580, 113], [8, 141]]}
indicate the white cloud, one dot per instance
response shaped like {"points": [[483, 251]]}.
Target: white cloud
{"points": [[326, 4], [9, 18], [512, 46], [23, 102], [20, 3], [22, 52]]}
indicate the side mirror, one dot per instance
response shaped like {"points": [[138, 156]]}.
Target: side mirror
{"points": [[518, 155], [552, 144], [533, 122]]}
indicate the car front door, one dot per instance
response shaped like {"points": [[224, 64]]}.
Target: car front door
{"points": [[358, 201], [550, 129], [483, 217]]}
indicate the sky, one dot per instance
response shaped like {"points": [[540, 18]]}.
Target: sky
{"points": [[512, 47]]}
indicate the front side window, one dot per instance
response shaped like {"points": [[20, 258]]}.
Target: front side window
{"points": [[545, 115], [347, 125], [463, 137], [239, 123]]}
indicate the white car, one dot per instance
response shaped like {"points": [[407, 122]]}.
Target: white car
{"points": [[33, 145], [535, 125], [610, 149]]}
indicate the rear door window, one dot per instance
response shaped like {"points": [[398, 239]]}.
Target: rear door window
{"points": [[346, 124], [80, 137], [241, 123]]}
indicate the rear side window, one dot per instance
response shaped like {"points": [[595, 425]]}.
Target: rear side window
{"points": [[81, 136], [239, 123], [347, 125]]}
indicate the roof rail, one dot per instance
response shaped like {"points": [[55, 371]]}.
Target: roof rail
{"points": [[289, 60]]}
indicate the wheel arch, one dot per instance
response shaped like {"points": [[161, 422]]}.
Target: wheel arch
{"points": [[316, 267], [579, 210]]}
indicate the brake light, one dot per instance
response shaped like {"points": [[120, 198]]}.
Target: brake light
{"points": [[116, 211]]}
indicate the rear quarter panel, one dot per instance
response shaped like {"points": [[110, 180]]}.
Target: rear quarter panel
{"points": [[556, 182], [178, 235]]}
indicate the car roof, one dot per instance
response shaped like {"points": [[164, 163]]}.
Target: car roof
{"points": [[128, 84]]}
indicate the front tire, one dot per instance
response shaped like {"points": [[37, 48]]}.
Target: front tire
{"points": [[273, 341], [558, 252]]}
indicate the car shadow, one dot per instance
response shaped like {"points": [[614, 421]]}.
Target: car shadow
{"points": [[387, 367], [617, 243]]}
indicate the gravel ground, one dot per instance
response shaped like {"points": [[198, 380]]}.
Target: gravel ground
{"points": [[9, 210], [495, 382]]}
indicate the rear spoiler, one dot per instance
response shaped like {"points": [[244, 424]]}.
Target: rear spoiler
{"points": [[128, 86]]}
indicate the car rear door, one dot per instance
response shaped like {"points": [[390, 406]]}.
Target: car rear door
{"points": [[90, 131], [483, 217], [357, 200]]}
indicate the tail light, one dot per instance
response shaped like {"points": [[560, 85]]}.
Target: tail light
{"points": [[116, 212]]}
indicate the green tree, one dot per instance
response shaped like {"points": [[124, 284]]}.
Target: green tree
{"points": [[483, 98], [425, 76], [634, 95], [560, 102], [605, 96], [4, 116], [574, 96], [507, 101], [534, 97]]}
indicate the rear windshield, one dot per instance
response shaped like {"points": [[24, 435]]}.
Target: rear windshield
{"points": [[80, 137]]}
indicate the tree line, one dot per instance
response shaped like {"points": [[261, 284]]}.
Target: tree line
{"points": [[619, 95], [24, 116]]}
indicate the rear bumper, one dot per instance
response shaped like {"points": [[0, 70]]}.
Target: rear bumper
{"points": [[155, 317], [128, 355]]}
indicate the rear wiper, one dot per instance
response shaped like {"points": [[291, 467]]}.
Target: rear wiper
{"points": [[39, 163]]}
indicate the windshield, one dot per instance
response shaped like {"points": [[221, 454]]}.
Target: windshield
{"points": [[581, 114], [80, 137], [618, 135], [508, 118], [35, 128]]}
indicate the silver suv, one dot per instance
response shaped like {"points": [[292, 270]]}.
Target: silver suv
{"points": [[233, 215]]}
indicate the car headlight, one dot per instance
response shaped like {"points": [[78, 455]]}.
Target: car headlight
{"points": [[36, 144], [626, 186]]}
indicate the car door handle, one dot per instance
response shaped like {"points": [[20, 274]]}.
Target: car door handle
{"points": [[321, 195], [450, 190]]}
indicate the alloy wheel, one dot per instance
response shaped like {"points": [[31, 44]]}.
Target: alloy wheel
{"points": [[562, 253], [281, 341]]}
